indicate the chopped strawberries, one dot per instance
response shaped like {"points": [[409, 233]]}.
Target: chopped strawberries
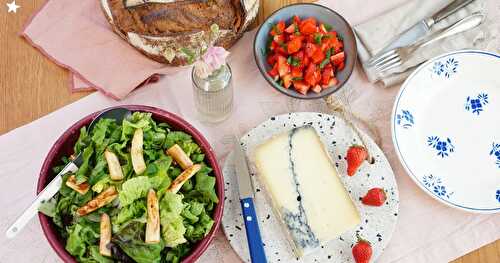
{"points": [[355, 157], [304, 55], [374, 197]]}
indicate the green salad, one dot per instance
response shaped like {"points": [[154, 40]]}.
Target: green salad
{"points": [[142, 194]]}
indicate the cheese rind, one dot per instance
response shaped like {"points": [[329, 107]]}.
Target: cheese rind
{"points": [[306, 192]]}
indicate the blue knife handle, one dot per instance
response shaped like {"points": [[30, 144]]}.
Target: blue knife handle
{"points": [[255, 246]]}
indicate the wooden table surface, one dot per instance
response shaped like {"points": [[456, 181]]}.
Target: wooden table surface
{"points": [[32, 86]]}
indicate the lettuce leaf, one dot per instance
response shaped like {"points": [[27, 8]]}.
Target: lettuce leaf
{"points": [[172, 228], [80, 236], [136, 121], [83, 170], [134, 189], [130, 239]]}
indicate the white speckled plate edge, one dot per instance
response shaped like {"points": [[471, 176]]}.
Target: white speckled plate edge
{"points": [[378, 223], [432, 184]]}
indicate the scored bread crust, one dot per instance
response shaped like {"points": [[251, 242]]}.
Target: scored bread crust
{"points": [[170, 48]]}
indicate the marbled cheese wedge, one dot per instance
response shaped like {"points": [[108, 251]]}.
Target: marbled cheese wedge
{"points": [[305, 189]]}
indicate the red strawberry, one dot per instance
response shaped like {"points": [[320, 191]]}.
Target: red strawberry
{"points": [[362, 251], [356, 155], [374, 197]]}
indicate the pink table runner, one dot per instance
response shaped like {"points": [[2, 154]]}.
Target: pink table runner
{"points": [[427, 231]]}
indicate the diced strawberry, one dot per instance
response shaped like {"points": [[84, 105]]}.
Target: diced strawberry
{"points": [[317, 89], [297, 72], [301, 87], [299, 55], [306, 61], [341, 66], [271, 59], [337, 59], [336, 44], [312, 75], [283, 67], [307, 28], [325, 46], [281, 50], [287, 81], [291, 28], [326, 75], [280, 26], [294, 45], [279, 39], [318, 56], [310, 20], [274, 72], [310, 49]]}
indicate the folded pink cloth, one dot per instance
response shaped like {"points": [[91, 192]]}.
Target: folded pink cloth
{"points": [[77, 36]]}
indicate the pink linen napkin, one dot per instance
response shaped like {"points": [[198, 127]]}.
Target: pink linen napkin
{"points": [[77, 36]]}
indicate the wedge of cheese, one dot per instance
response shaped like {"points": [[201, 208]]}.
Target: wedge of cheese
{"points": [[307, 194]]}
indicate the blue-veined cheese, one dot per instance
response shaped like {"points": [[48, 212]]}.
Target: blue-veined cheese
{"points": [[306, 192]]}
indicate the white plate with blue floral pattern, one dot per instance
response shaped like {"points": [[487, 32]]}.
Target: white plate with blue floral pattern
{"points": [[446, 129]]}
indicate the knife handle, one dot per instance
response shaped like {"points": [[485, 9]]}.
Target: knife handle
{"points": [[251, 220], [48, 192], [446, 11]]}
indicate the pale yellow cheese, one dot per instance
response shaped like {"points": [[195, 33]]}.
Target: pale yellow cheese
{"points": [[306, 191]]}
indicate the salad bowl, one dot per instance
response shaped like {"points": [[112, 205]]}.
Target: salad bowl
{"points": [[64, 147]]}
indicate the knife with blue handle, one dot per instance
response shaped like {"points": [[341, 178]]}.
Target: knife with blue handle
{"points": [[250, 218]]}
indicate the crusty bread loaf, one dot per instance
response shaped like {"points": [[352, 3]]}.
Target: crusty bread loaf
{"points": [[176, 32]]}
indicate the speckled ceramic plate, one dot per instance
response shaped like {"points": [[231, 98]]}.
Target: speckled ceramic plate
{"points": [[377, 225], [446, 129]]}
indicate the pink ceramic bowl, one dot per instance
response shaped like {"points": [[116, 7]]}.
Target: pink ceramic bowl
{"points": [[64, 147]]}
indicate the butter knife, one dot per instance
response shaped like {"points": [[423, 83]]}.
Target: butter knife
{"points": [[420, 29], [53, 187], [250, 218]]}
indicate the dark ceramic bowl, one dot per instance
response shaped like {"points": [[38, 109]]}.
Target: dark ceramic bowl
{"points": [[64, 147], [322, 14]]}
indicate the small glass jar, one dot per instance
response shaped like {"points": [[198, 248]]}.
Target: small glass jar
{"points": [[213, 96]]}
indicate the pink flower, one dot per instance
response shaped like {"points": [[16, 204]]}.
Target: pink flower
{"points": [[215, 57]]}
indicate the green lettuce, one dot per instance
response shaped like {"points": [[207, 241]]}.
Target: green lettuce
{"points": [[134, 189], [172, 228], [130, 239]]}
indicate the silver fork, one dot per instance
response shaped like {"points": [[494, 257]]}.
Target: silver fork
{"points": [[396, 57]]}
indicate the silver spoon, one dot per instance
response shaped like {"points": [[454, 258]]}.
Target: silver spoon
{"points": [[53, 187]]}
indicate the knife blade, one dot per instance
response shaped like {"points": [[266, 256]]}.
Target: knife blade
{"points": [[245, 186], [420, 29]]}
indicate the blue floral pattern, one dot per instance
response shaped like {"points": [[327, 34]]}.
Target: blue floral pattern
{"points": [[446, 69], [443, 147], [495, 151], [498, 195], [476, 105], [435, 184], [405, 119]]}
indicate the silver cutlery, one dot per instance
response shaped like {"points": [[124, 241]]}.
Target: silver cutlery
{"points": [[395, 58], [53, 187], [245, 187], [420, 29]]}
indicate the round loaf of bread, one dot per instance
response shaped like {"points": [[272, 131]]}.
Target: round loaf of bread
{"points": [[177, 32]]}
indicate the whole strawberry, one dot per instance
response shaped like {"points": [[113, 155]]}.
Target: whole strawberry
{"points": [[356, 155], [362, 251], [374, 197]]}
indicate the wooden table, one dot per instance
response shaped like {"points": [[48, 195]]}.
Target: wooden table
{"points": [[32, 86]]}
